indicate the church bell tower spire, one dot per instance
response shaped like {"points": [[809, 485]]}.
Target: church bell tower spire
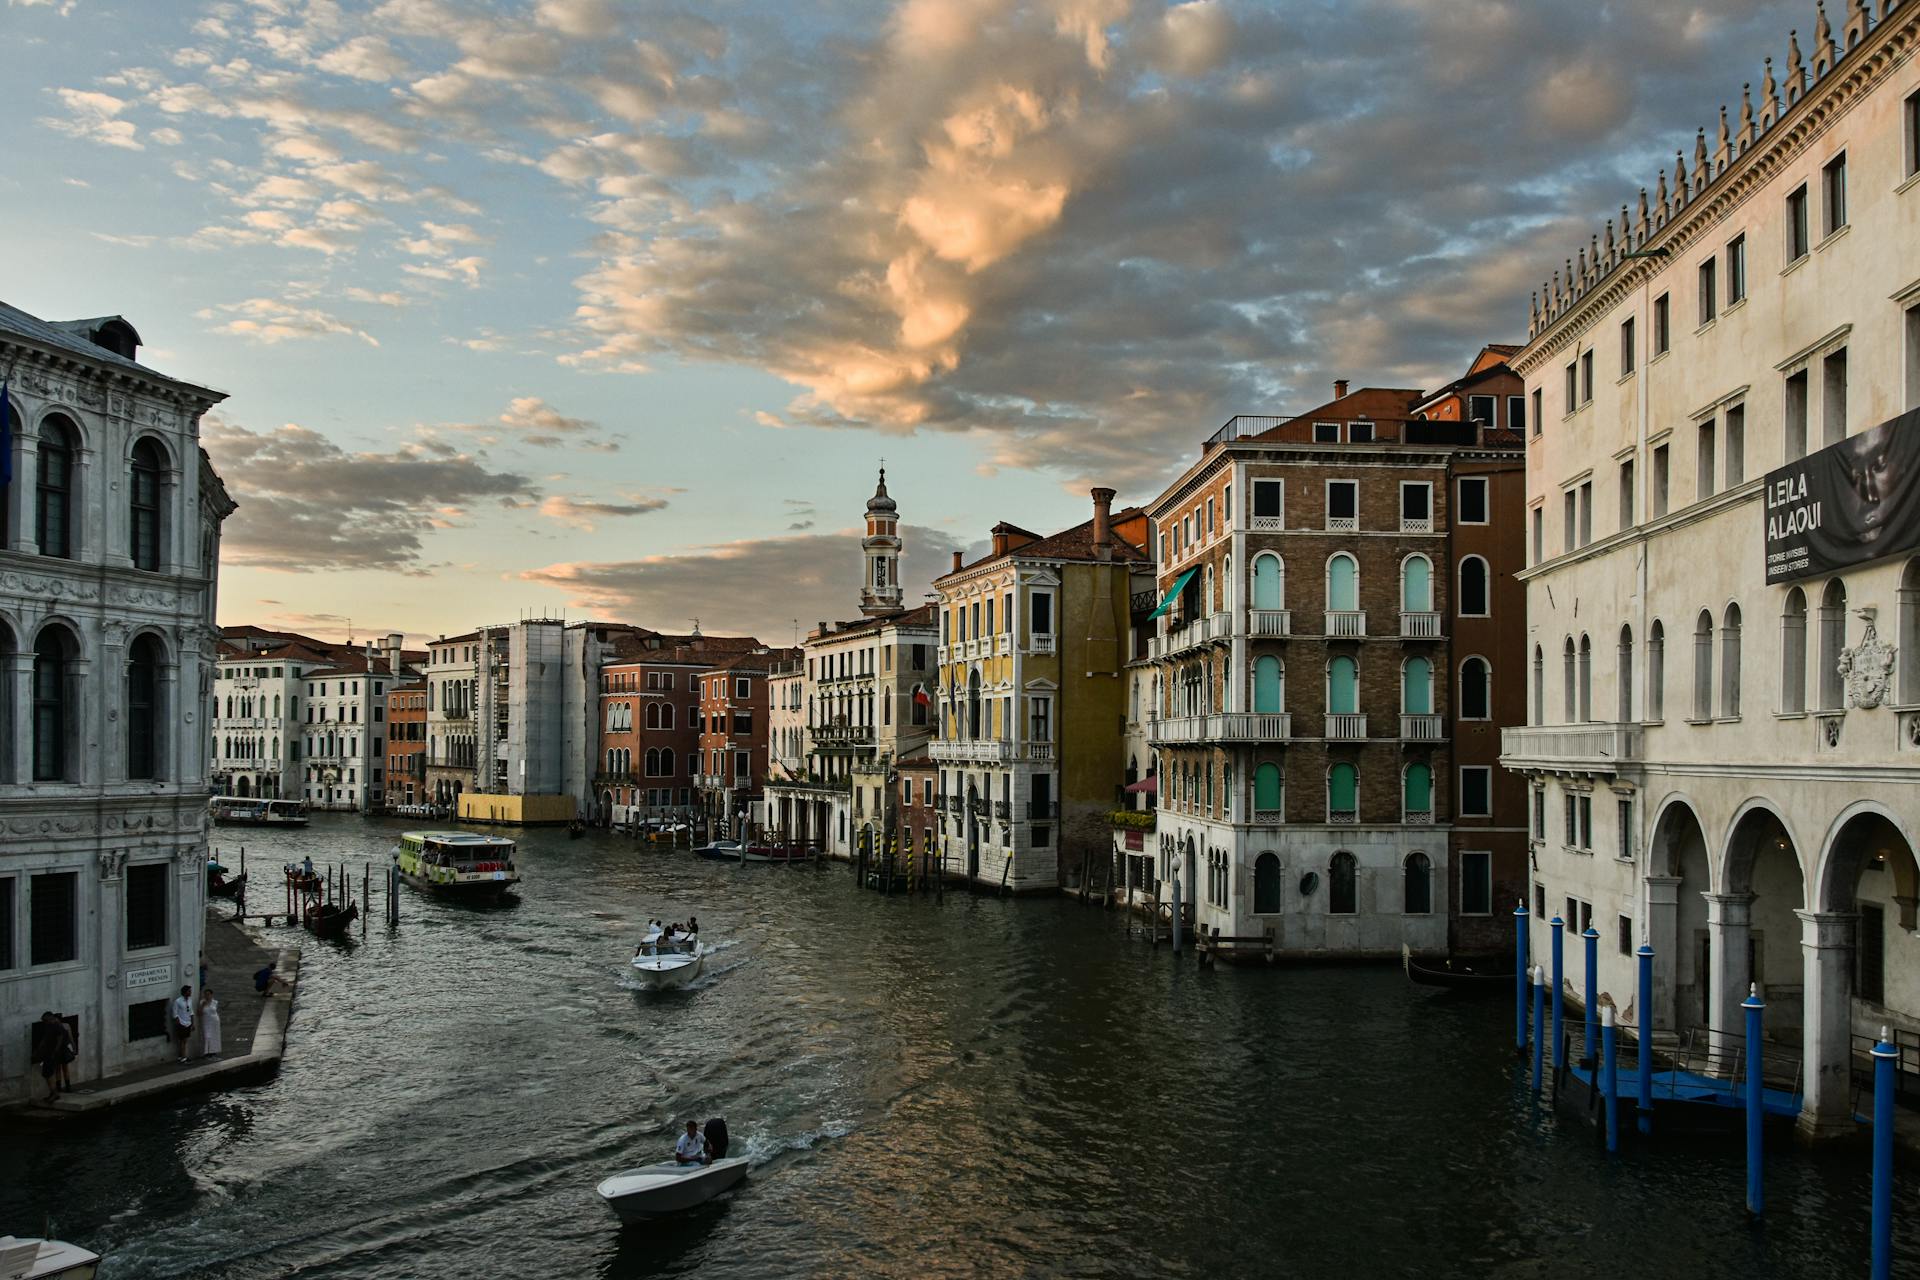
{"points": [[880, 593]]}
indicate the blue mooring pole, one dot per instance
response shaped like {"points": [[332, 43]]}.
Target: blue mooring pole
{"points": [[1539, 1025], [1520, 977], [1643, 1003], [1756, 1009], [1176, 915], [1611, 1066], [1885, 1059], [1592, 938], [1559, 928]]}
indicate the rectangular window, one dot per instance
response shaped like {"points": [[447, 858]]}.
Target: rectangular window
{"points": [[1626, 494], [1539, 814], [1709, 303], [1359, 433], [1911, 118], [1343, 504], [1624, 935], [1537, 415], [1627, 355], [1416, 507], [1569, 521], [1660, 478], [1623, 818], [1704, 461], [1586, 377], [1833, 193], [1796, 414], [1476, 884], [146, 1020], [1539, 900], [1913, 358], [1539, 534], [1517, 414], [1326, 433], [1209, 517], [1736, 270], [1040, 613], [1472, 500], [53, 898], [1266, 504], [1734, 447], [6, 922], [1583, 806], [1476, 790], [146, 891], [1481, 409], [1572, 822], [1573, 386], [1586, 513], [1662, 324], [1833, 397], [1799, 242]]}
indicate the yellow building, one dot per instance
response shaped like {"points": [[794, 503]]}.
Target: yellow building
{"points": [[1034, 642]]}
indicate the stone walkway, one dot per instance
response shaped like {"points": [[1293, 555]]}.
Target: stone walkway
{"points": [[252, 1028]]}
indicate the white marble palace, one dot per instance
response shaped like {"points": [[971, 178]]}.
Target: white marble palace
{"points": [[111, 523], [1723, 590]]}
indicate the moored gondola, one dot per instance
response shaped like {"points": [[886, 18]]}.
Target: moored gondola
{"points": [[1456, 974]]}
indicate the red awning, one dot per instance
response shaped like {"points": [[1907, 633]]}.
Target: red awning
{"points": [[1149, 785]]}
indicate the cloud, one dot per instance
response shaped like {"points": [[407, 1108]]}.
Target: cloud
{"points": [[364, 58], [582, 513], [94, 116], [530, 420], [818, 575], [270, 320], [306, 504]]}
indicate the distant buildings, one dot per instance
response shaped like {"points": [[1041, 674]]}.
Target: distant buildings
{"points": [[407, 745], [109, 537]]}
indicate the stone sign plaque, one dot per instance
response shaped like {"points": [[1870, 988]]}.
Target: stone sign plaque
{"points": [[153, 975]]}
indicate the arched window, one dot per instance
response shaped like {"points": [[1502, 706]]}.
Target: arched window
{"points": [[1269, 582], [276, 706], [1419, 881], [1416, 793], [1586, 679], [1730, 661], [1343, 890], [1907, 605], [1539, 685], [1343, 686], [1266, 789], [653, 715], [1269, 685], [143, 499], [1657, 671], [53, 655], [1623, 683], [143, 708], [1473, 588], [1793, 653], [1226, 583], [666, 715], [1416, 687], [1476, 690], [1416, 585], [1703, 666], [1343, 584], [53, 490], [1833, 640], [1266, 885], [1569, 684], [1343, 793]]}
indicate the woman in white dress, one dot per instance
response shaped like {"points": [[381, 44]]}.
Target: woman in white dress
{"points": [[209, 1022]]}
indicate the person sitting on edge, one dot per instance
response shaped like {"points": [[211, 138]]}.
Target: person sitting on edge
{"points": [[263, 980], [692, 1148]]}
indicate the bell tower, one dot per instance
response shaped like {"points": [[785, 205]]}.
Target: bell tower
{"points": [[880, 593]]}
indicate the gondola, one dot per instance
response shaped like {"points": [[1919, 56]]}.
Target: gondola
{"points": [[576, 829], [329, 920], [219, 886], [1457, 975]]}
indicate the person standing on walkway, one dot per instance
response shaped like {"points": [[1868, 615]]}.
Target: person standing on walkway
{"points": [[56, 1051], [182, 1025], [208, 1010]]}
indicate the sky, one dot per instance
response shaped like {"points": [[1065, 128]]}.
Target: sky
{"points": [[612, 309]]}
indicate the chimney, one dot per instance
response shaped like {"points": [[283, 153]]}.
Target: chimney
{"points": [[999, 543], [956, 562], [1339, 388], [1103, 524]]}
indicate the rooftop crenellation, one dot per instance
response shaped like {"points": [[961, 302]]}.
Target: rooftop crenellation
{"points": [[1628, 237]]}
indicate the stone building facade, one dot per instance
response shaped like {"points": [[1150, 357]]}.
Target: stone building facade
{"points": [[109, 552]]}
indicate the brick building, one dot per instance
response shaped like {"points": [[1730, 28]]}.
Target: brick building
{"points": [[733, 721], [918, 828], [407, 744], [1314, 575], [649, 724]]}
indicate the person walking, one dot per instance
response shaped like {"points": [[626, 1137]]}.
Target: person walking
{"points": [[56, 1051], [182, 1022], [208, 1010]]}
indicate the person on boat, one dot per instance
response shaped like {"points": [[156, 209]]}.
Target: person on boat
{"points": [[692, 1148], [306, 866]]}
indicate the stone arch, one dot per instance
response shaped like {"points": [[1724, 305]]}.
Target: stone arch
{"points": [[1761, 892], [1678, 874], [1859, 832]]}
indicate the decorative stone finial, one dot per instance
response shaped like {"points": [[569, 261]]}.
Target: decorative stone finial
{"points": [[1746, 117], [1701, 174], [1642, 224], [1769, 97], [1660, 196], [1823, 50], [1796, 68]]}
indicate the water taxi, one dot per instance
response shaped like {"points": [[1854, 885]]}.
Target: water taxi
{"points": [[458, 864], [253, 811]]}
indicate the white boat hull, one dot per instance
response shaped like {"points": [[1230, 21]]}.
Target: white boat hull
{"points": [[655, 1190], [665, 972], [29, 1258]]}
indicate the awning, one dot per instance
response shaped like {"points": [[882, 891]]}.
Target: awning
{"points": [[1173, 592], [1149, 785]]}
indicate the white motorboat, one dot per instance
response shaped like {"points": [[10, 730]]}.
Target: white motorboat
{"points": [[29, 1258], [667, 968], [655, 1190]]}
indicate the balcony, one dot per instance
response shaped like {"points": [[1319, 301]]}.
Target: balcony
{"points": [[1192, 634], [1417, 817], [1346, 727], [1040, 644], [1269, 622], [1416, 524], [1040, 751], [1268, 524], [971, 750], [1342, 817], [1267, 817], [1042, 810], [830, 736], [1343, 524], [1002, 810], [1228, 726], [1422, 728], [1347, 622], [1002, 646], [941, 654], [1420, 626], [1589, 748]]}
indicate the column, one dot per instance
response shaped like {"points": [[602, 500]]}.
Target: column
{"points": [[179, 741], [1661, 930], [23, 501], [19, 756], [1729, 916], [1826, 1110]]}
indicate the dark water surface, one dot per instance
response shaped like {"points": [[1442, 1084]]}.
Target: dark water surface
{"points": [[980, 1087]]}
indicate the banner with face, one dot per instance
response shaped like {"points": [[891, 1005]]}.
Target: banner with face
{"points": [[1851, 502]]}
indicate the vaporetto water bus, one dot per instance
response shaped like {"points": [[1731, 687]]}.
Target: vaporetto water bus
{"points": [[457, 864], [255, 811]]}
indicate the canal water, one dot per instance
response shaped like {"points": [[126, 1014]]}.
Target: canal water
{"points": [[980, 1087]]}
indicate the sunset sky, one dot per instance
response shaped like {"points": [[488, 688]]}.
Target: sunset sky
{"points": [[613, 308]]}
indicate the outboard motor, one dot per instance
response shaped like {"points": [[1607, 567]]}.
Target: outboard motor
{"points": [[716, 1132]]}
